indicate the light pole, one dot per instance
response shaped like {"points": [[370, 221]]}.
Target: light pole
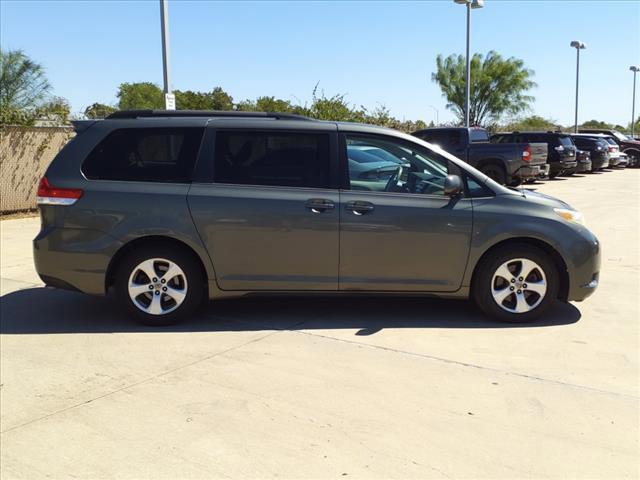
{"points": [[635, 69], [578, 46], [437, 114], [169, 98], [467, 85]]}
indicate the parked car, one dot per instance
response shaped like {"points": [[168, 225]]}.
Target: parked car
{"points": [[627, 144], [623, 160], [616, 158], [584, 161], [507, 165], [597, 147], [165, 209], [561, 150]]}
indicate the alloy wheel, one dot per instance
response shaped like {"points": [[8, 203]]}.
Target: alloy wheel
{"points": [[519, 285], [157, 286]]}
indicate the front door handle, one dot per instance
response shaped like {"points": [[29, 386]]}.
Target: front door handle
{"points": [[359, 207], [319, 205]]}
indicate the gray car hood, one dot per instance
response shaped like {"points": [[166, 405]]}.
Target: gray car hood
{"points": [[543, 199]]}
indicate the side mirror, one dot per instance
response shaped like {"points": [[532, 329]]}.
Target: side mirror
{"points": [[452, 185]]}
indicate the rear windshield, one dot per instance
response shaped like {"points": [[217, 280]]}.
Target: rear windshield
{"points": [[565, 141], [478, 135], [145, 155]]}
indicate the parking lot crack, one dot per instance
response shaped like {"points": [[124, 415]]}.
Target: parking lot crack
{"points": [[140, 382], [472, 365]]}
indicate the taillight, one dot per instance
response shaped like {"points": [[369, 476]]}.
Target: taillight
{"points": [[49, 195], [526, 153]]}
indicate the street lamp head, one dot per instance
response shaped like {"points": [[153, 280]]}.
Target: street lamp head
{"points": [[471, 3], [578, 44], [634, 68]]}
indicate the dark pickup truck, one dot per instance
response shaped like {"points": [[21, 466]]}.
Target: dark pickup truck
{"points": [[508, 164]]}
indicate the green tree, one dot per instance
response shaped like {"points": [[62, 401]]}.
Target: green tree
{"points": [[23, 83], [531, 123], [190, 100], [221, 100], [334, 108], [595, 124], [56, 109], [99, 110], [272, 104], [498, 86], [141, 95]]}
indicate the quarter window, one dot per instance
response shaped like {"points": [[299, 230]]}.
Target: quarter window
{"points": [[146, 155], [273, 158], [386, 165]]}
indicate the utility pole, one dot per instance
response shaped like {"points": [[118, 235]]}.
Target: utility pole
{"points": [[169, 98], [467, 84], [578, 45], [635, 69]]}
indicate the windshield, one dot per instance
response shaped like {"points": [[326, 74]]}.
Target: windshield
{"points": [[620, 136]]}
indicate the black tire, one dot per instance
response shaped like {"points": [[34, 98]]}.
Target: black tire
{"points": [[194, 283], [495, 172], [483, 278], [553, 175]]}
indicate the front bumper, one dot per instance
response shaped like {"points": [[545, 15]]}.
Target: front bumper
{"points": [[584, 267]]}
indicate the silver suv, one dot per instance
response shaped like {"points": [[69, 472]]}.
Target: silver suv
{"points": [[167, 209]]}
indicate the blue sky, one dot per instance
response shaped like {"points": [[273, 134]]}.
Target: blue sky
{"points": [[375, 52]]}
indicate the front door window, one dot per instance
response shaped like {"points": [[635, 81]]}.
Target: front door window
{"points": [[382, 165]]}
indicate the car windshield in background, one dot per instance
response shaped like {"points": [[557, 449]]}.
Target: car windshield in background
{"points": [[478, 135], [621, 136]]}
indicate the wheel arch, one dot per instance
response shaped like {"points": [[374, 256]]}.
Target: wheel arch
{"points": [[140, 242], [561, 266], [492, 161]]}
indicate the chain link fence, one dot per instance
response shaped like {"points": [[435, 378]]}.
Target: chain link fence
{"points": [[25, 154]]}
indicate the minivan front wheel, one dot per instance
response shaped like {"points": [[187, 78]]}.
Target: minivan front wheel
{"points": [[159, 286], [516, 284]]}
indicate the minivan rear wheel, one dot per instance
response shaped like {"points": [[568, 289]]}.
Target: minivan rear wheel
{"points": [[159, 285], [516, 283]]}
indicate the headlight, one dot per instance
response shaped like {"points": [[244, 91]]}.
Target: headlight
{"points": [[570, 215]]}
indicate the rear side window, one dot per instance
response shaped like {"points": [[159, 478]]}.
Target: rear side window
{"points": [[272, 158], [145, 155]]}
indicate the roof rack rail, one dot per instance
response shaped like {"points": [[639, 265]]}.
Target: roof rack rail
{"points": [[203, 113]]}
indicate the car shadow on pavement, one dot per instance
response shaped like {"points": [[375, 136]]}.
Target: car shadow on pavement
{"points": [[45, 310]]}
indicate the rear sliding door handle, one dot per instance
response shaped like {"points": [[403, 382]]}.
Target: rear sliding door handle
{"points": [[359, 207], [319, 205]]}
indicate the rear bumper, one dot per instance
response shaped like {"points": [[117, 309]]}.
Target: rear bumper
{"points": [[584, 166], [562, 166], [74, 259], [532, 171], [599, 163]]}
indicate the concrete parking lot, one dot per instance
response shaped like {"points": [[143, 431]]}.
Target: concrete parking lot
{"points": [[328, 387]]}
